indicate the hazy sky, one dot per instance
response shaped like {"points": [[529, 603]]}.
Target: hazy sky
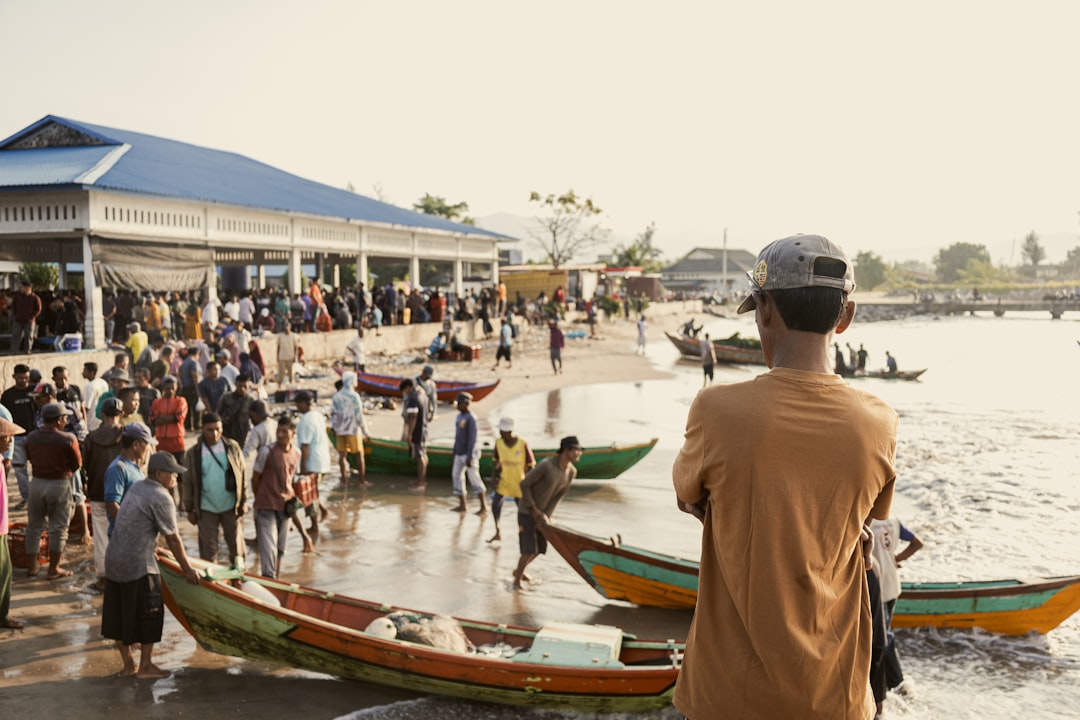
{"points": [[896, 128]]}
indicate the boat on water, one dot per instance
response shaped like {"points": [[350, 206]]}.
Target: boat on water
{"points": [[886, 375], [727, 350], [1008, 607], [597, 463], [592, 668], [446, 390]]}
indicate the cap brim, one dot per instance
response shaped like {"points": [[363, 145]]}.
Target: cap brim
{"points": [[747, 305]]}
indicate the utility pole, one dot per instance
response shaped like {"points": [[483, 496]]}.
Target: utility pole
{"points": [[724, 267]]}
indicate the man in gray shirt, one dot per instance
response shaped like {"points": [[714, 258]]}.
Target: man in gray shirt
{"points": [[133, 610]]}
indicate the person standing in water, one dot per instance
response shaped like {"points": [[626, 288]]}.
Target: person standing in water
{"points": [[513, 459]]}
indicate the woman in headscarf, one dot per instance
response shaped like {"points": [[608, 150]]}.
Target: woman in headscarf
{"points": [[247, 365], [256, 356]]}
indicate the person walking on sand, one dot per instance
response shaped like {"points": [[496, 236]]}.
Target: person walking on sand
{"points": [[8, 430], [314, 462], [347, 422], [784, 471], [708, 359], [54, 457], [555, 344], [542, 489], [641, 327], [466, 456], [99, 450], [132, 610], [288, 350], [506, 342], [215, 490], [416, 429], [513, 458], [271, 483]]}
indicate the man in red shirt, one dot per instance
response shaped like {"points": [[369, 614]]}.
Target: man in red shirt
{"points": [[25, 308]]}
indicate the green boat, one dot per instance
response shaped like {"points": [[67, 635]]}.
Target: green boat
{"points": [[597, 463]]}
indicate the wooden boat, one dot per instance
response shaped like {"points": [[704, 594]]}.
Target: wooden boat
{"points": [[1009, 607], [898, 375], [690, 347], [596, 463], [581, 667], [446, 390]]}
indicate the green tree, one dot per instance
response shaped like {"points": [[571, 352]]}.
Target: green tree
{"points": [[567, 227], [980, 273], [43, 276], [1071, 267], [870, 271], [1033, 250], [434, 205], [951, 260], [641, 252]]}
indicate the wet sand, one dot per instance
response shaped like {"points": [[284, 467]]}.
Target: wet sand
{"points": [[385, 544]]}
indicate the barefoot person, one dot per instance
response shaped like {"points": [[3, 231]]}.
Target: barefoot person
{"points": [[416, 429], [513, 458], [54, 457], [347, 422], [541, 492], [132, 610], [466, 456], [8, 431]]}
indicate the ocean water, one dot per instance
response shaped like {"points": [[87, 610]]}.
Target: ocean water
{"points": [[989, 443]]}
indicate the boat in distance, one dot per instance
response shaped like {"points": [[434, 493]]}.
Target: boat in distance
{"points": [[592, 668], [445, 390], [724, 351], [602, 462], [1008, 607]]}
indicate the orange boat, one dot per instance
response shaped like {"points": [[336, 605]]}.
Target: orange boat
{"points": [[446, 390], [593, 668]]}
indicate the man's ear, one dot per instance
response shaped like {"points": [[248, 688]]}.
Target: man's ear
{"points": [[847, 316]]}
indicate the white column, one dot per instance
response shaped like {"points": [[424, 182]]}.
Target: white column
{"points": [[62, 276], [459, 278], [320, 266], [414, 270], [335, 278], [260, 281], [93, 324], [295, 274]]}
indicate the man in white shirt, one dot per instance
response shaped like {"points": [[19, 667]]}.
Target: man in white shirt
{"points": [[94, 388], [246, 310], [314, 446]]}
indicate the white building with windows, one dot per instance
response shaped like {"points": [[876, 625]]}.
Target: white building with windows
{"points": [[150, 214]]}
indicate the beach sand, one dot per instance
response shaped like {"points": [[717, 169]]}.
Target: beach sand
{"points": [[59, 664]]}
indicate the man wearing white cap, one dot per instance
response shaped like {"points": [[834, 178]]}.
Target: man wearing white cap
{"points": [[54, 456], [798, 461], [513, 458]]}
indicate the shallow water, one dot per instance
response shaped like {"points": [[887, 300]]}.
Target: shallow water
{"points": [[986, 457]]}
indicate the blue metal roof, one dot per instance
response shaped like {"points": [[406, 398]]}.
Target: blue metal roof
{"points": [[167, 168]]}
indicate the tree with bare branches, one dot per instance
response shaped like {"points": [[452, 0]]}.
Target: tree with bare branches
{"points": [[567, 227]]}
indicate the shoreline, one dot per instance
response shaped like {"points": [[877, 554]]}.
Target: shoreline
{"points": [[60, 654]]}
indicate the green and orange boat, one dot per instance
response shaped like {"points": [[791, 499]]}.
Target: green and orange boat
{"points": [[1008, 607], [593, 668], [602, 462]]}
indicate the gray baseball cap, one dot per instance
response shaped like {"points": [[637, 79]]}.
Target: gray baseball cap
{"points": [[792, 262]]}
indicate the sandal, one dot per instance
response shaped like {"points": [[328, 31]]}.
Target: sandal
{"points": [[58, 575], [10, 624]]}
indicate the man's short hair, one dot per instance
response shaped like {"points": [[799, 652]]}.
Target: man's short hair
{"points": [[286, 420], [91, 367], [813, 309], [127, 392], [119, 357], [243, 377], [20, 369], [209, 418], [405, 383]]}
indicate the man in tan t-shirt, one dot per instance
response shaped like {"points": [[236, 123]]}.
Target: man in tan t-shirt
{"points": [[784, 470]]}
